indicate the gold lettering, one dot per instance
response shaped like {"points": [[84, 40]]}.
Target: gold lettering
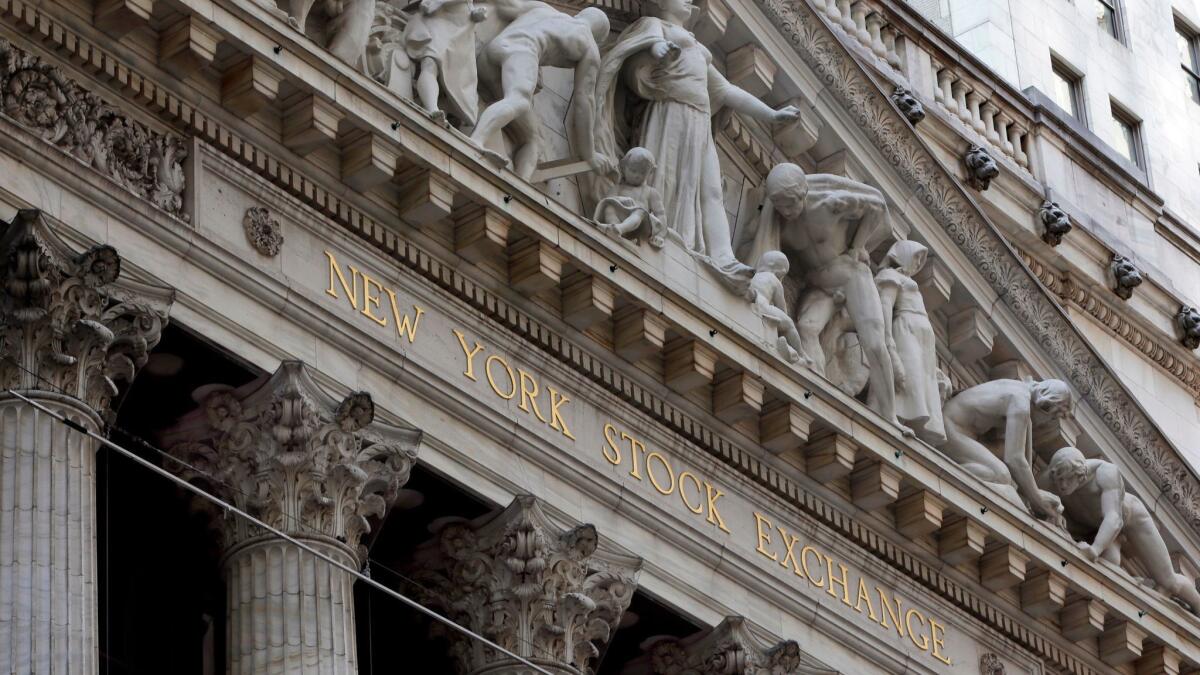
{"points": [[923, 645], [512, 379], [615, 457], [763, 537], [335, 269], [939, 642], [469, 353], [698, 508], [557, 423], [654, 481], [369, 299], [844, 581], [529, 394], [804, 564], [406, 326], [714, 516], [887, 604], [864, 595], [634, 444], [789, 542]]}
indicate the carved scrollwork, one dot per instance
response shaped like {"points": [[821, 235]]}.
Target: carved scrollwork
{"points": [[41, 98], [263, 230], [292, 456], [538, 590], [730, 648], [66, 323]]}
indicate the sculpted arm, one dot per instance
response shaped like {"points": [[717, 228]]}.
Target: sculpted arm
{"points": [[586, 73], [1112, 494], [1018, 454], [887, 299], [862, 200], [723, 93]]}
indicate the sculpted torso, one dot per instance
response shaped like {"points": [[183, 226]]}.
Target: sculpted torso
{"points": [[980, 409], [1084, 504], [823, 230], [559, 39]]}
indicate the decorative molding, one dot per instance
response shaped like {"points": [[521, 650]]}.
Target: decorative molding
{"points": [[990, 664], [68, 324], [263, 231], [987, 250], [39, 97]]}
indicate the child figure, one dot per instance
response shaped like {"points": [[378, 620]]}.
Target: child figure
{"points": [[440, 44], [767, 285], [635, 208]]}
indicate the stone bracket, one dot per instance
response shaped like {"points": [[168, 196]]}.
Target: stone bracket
{"points": [[586, 300], [688, 364], [310, 122], [784, 426], [737, 396], [480, 233], [249, 84], [638, 332]]}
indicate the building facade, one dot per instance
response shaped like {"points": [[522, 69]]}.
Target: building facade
{"points": [[748, 336]]}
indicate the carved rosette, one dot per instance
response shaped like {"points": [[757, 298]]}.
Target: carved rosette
{"points": [[541, 591], [41, 98], [294, 457], [730, 648], [263, 231], [67, 323], [990, 664]]}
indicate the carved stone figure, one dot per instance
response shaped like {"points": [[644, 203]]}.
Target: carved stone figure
{"points": [[908, 104], [634, 208], [911, 341], [990, 664], [1093, 495], [1006, 405], [263, 231], [1188, 320], [39, 97], [981, 168], [540, 35], [1055, 221], [1126, 276], [387, 60], [542, 592], [348, 29], [656, 60], [827, 224], [732, 647], [771, 305], [439, 41]]}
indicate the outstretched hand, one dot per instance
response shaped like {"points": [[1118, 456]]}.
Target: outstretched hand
{"points": [[602, 164], [788, 113]]}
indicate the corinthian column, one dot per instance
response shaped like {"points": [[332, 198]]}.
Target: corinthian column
{"points": [[69, 332], [541, 591], [310, 466]]}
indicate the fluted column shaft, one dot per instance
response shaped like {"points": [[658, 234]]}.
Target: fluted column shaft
{"points": [[289, 611], [47, 538]]}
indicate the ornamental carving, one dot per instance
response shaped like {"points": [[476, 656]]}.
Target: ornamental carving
{"points": [[988, 252], [294, 457], [981, 168], [263, 231], [730, 648], [990, 664], [539, 590], [1055, 223], [41, 98], [908, 105], [68, 322], [1188, 320], [1126, 276]]}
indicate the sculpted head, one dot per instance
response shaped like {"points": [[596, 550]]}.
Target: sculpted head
{"points": [[787, 188], [774, 262], [638, 164], [1068, 471], [907, 256], [673, 11], [597, 20], [1052, 397]]}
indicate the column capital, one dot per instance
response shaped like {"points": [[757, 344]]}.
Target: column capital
{"points": [[541, 590], [69, 322], [732, 646], [292, 455]]}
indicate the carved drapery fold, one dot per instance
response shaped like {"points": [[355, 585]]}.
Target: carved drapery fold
{"points": [[41, 98], [543, 592], [730, 648]]}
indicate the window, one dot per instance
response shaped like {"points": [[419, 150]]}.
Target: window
{"points": [[1189, 59], [1127, 135], [1067, 89], [1107, 17]]}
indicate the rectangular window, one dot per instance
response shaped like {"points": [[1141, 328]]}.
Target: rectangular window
{"points": [[1067, 88], [1107, 17], [1186, 43], [1127, 135]]}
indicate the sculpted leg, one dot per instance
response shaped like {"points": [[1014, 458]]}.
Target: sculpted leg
{"points": [[518, 78], [866, 313], [816, 309], [717, 236], [1147, 545], [529, 148], [974, 456], [427, 84]]}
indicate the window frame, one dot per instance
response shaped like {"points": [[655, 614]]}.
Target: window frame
{"points": [[1192, 69], [1122, 115], [1118, 20], [1062, 70]]}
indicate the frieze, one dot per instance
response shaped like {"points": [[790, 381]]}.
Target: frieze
{"points": [[40, 97], [987, 250]]}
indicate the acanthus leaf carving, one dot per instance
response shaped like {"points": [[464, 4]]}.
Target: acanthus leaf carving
{"points": [[68, 323], [732, 647], [289, 454], [541, 591], [41, 98]]}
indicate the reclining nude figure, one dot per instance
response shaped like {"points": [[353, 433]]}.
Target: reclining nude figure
{"points": [[1093, 494], [1007, 405], [827, 224]]}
